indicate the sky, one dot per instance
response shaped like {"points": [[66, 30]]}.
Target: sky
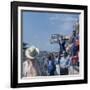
{"points": [[38, 26]]}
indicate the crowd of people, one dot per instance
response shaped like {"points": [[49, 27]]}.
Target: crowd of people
{"points": [[66, 62]]}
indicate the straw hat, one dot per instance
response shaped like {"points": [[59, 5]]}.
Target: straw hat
{"points": [[31, 52]]}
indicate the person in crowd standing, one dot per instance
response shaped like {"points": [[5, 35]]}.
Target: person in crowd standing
{"points": [[30, 65], [75, 50], [51, 65], [44, 66], [57, 65], [73, 36], [65, 63], [62, 45]]}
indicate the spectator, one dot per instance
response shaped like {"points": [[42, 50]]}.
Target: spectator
{"points": [[64, 64], [57, 65], [51, 65], [74, 49], [30, 65]]}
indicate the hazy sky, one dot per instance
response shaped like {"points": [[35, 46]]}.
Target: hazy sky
{"points": [[38, 27]]}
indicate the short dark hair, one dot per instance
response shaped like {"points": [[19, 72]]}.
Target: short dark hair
{"points": [[65, 54]]}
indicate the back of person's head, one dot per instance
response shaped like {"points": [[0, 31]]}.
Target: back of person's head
{"points": [[49, 57], [65, 54], [56, 56]]}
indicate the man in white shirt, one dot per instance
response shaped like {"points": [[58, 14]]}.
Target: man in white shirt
{"points": [[64, 64]]}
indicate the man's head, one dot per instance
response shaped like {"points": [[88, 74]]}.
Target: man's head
{"points": [[65, 54]]}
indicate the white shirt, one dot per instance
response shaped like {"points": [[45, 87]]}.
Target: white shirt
{"points": [[63, 62]]}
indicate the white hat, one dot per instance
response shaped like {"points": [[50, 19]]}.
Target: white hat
{"points": [[31, 52]]}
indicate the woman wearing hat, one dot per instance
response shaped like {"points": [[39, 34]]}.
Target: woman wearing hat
{"points": [[30, 66]]}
